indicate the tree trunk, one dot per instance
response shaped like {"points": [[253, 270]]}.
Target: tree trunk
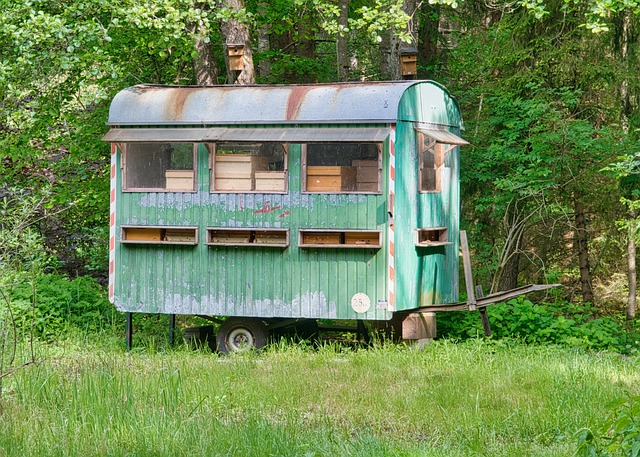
{"points": [[582, 248], [390, 57], [624, 86], [624, 121], [390, 68], [205, 68], [306, 47], [342, 55], [631, 275], [428, 37], [514, 223], [510, 271], [235, 32], [264, 66]]}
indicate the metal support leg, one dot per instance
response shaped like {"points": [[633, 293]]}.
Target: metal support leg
{"points": [[363, 332], [172, 329], [129, 330]]}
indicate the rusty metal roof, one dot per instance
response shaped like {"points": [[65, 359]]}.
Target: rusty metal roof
{"points": [[371, 102]]}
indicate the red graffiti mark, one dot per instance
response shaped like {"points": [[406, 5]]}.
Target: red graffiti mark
{"points": [[266, 209], [285, 214]]}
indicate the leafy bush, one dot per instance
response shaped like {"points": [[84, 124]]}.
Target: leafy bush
{"points": [[554, 323], [22, 259], [61, 302], [618, 435]]}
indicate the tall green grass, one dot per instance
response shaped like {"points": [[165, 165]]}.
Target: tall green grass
{"points": [[472, 399]]}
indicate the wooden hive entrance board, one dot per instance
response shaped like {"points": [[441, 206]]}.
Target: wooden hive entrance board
{"points": [[341, 239], [247, 237], [159, 235]]}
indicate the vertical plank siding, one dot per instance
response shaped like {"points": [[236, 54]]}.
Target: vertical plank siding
{"points": [[299, 281], [252, 280], [425, 275]]}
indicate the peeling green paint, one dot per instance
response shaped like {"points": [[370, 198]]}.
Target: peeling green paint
{"points": [[252, 280], [295, 281]]}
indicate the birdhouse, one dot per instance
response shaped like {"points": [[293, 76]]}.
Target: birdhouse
{"points": [[236, 54], [409, 61]]}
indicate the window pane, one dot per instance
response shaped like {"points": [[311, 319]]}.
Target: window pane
{"points": [[249, 167], [159, 166], [431, 157], [343, 167]]}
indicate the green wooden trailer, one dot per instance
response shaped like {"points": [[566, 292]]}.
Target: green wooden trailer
{"points": [[271, 204]]}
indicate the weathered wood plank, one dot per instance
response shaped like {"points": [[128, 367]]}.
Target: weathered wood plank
{"points": [[486, 325], [468, 274]]}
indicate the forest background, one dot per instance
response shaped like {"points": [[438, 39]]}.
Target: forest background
{"points": [[549, 92]]}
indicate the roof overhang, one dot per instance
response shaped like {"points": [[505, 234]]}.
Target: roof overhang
{"points": [[284, 135], [443, 136], [116, 135]]}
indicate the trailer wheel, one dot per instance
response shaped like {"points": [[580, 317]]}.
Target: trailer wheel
{"points": [[241, 334]]}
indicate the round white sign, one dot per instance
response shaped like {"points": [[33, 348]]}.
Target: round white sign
{"points": [[360, 303]]}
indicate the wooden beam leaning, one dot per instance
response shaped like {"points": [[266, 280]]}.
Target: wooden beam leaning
{"points": [[483, 312], [468, 274]]}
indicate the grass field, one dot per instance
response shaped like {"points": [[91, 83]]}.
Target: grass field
{"points": [[471, 399]]}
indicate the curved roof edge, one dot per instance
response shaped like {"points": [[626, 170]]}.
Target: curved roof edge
{"points": [[356, 102]]}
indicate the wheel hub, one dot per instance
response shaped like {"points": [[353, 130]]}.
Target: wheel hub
{"points": [[240, 340]]}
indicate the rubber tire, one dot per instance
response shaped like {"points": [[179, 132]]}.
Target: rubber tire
{"points": [[238, 330]]}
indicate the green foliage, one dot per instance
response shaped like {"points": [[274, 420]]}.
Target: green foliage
{"points": [[60, 64], [627, 170], [542, 113], [371, 18], [618, 435], [290, 67], [380, 17], [22, 255], [631, 224], [563, 323], [61, 303], [22, 260], [533, 159]]}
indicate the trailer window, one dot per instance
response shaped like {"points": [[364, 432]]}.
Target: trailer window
{"points": [[342, 167], [249, 167], [168, 167], [430, 163]]}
